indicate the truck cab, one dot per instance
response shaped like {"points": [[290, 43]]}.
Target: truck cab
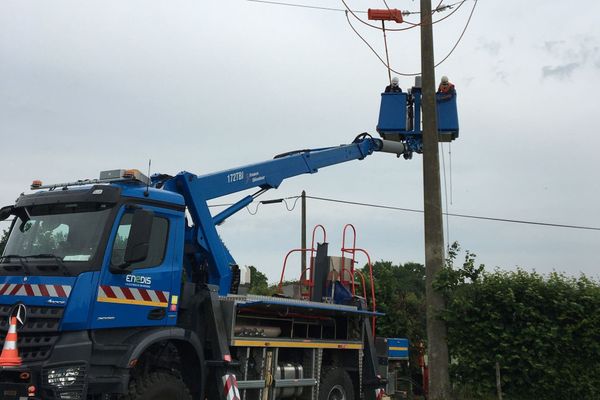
{"points": [[85, 258]]}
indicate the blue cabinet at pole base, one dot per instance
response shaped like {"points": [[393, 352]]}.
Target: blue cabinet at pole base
{"points": [[397, 348]]}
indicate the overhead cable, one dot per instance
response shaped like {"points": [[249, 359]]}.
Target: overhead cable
{"points": [[404, 12], [414, 210], [445, 195], [278, 3], [375, 51], [437, 64], [515, 221], [438, 8]]}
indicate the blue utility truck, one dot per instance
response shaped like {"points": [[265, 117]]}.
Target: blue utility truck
{"points": [[121, 288]]}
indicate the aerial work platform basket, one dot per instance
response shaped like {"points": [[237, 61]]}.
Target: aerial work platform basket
{"points": [[392, 113], [447, 117], [400, 116]]}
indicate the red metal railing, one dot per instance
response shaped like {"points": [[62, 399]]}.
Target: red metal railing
{"points": [[353, 250], [353, 255], [304, 281]]}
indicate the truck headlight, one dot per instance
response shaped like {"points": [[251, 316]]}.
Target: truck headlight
{"points": [[71, 396], [64, 376]]}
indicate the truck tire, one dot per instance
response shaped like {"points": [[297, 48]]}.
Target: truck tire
{"points": [[336, 385], [158, 386]]}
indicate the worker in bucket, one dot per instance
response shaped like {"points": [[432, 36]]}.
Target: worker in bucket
{"points": [[446, 88], [393, 87]]}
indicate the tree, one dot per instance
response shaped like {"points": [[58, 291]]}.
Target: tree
{"points": [[259, 284], [400, 295]]}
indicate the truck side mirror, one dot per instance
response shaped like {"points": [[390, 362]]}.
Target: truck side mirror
{"points": [[138, 243], [6, 212]]}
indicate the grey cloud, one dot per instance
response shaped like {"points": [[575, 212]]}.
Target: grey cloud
{"points": [[467, 81], [551, 46], [560, 71], [577, 50], [491, 47], [502, 76], [501, 71]]}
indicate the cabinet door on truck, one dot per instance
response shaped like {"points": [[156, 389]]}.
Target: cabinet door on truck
{"points": [[142, 295]]}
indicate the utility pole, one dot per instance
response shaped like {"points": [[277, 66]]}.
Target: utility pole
{"points": [[303, 236], [437, 347]]}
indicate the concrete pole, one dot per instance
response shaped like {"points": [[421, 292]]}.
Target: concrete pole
{"points": [[437, 348]]}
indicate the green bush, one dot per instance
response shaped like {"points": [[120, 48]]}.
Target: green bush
{"points": [[544, 331]]}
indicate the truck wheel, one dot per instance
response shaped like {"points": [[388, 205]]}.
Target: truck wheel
{"points": [[336, 385], [158, 386]]}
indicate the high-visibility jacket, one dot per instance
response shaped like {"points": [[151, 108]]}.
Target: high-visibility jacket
{"points": [[449, 88]]}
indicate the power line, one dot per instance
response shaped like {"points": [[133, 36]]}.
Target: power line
{"points": [[514, 221], [436, 65], [445, 196], [348, 10], [461, 35], [273, 201], [375, 51], [440, 8], [413, 210], [278, 3]]}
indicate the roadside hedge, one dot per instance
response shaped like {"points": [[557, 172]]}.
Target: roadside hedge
{"points": [[544, 331]]}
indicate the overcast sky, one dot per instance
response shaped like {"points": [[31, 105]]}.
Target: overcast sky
{"points": [[207, 85]]}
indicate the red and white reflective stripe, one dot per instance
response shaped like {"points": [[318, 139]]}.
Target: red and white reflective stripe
{"points": [[230, 387], [130, 295], [24, 289]]}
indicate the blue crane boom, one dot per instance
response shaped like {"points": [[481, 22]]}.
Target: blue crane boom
{"points": [[198, 190]]}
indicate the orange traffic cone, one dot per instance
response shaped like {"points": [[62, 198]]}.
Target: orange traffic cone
{"points": [[10, 353]]}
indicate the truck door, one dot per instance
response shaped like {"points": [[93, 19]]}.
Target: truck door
{"points": [[140, 295]]}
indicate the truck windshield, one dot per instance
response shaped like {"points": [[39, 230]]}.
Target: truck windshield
{"points": [[65, 233]]}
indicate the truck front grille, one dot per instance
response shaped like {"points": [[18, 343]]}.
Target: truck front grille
{"points": [[37, 337]]}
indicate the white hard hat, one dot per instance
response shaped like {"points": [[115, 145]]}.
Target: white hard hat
{"points": [[444, 79], [395, 80]]}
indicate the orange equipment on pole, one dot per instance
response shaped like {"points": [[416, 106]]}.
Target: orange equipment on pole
{"points": [[10, 353], [385, 15]]}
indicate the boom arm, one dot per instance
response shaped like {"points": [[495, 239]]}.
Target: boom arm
{"points": [[197, 190], [269, 174]]}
